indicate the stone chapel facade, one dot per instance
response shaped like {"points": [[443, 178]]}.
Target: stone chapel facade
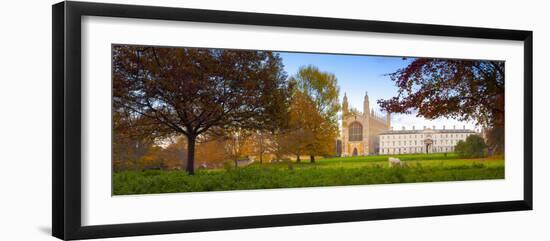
{"points": [[360, 131]]}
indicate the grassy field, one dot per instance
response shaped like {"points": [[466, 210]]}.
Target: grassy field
{"points": [[325, 172]]}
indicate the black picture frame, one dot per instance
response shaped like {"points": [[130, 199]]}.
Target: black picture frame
{"points": [[66, 128]]}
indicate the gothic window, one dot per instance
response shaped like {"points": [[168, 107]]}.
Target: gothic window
{"points": [[355, 132]]}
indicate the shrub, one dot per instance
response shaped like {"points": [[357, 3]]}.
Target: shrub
{"points": [[228, 165], [474, 146]]}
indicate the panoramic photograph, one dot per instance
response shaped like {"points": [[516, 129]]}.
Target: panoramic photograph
{"points": [[187, 119]]}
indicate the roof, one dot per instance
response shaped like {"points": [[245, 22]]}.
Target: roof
{"points": [[400, 132]]}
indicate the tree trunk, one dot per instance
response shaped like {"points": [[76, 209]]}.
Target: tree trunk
{"points": [[312, 158], [261, 158], [298, 158], [190, 155]]}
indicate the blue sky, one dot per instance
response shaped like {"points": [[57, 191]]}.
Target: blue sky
{"points": [[357, 74]]}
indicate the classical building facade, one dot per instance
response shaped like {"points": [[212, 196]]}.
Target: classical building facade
{"points": [[360, 130], [427, 140]]}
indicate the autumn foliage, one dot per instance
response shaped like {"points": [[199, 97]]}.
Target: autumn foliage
{"points": [[197, 92], [227, 104], [468, 90]]}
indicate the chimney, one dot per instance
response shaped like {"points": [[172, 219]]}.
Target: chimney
{"points": [[443, 127], [424, 127], [413, 128], [434, 127], [403, 127], [454, 127], [464, 127]]}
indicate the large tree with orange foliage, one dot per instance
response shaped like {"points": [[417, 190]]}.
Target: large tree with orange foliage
{"points": [[192, 91]]}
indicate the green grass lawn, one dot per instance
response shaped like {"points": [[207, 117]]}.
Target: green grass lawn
{"points": [[324, 172]]}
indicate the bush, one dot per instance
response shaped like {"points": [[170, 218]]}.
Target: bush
{"points": [[228, 165], [473, 147]]}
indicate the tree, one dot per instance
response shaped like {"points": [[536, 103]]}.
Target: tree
{"points": [[308, 132], [474, 146], [303, 117], [237, 145], [461, 89], [193, 91], [261, 144], [211, 152], [153, 159], [278, 144], [322, 89], [174, 155], [128, 146]]}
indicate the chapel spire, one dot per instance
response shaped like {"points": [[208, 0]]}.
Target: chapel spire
{"points": [[366, 106]]}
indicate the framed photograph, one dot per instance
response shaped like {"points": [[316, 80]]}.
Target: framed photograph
{"points": [[170, 120]]}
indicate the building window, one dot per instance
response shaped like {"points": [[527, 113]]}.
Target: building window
{"points": [[355, 132]]}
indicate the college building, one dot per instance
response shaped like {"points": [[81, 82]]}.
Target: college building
{"points": [[427, 140]]}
